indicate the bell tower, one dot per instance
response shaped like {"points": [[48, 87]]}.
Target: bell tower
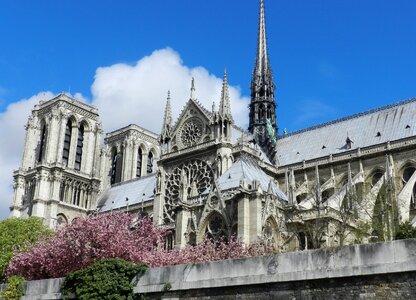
{"points": [[59, 179]]}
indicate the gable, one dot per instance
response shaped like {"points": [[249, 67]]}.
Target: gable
{"points": [[192, 126]]}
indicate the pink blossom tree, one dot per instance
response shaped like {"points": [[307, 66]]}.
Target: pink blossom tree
{"points": [[104, 236]]}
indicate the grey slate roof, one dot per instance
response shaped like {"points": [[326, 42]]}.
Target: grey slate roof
{"points": [[388, 123], [137, 191], [246, 168]]}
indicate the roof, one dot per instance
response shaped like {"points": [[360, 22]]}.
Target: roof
{"points": [[137, 191], [377, 126], [246, 168]]}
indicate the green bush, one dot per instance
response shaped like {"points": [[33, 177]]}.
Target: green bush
{"points": [[405, 231], [106, 279], [14, 288], [17, 234]]}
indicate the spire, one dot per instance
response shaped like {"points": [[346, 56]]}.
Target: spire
{"points": [[225, 110], [262, 59], [262, 106], [167, 120], [193, 89]]}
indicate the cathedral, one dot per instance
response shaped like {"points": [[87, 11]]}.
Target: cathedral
{"points": [[348, 181]]}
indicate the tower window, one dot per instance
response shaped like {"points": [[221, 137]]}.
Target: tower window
{"points": [[42, 145], [150, 163], [139, 163], [80, 145], [116, 167], [67, 143]]}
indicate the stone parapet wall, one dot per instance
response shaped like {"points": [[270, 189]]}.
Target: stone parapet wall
{"points": [[373, 271]]}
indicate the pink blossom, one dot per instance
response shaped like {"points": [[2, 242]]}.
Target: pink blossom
{"points": [[90, 239]]}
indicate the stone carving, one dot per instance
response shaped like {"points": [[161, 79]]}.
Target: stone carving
{"points": [[188, 180], [191, 132]]}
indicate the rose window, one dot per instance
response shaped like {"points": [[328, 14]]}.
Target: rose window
{"points": [[197, 174], [191, 132], [216, 228]]}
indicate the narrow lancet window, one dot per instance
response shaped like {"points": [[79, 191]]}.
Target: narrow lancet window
{"points": [[139, 163], [67, 143], [116, 166], [150, 163], [42, 146], [80, 145]]}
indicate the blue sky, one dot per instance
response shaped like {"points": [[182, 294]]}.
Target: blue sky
{"points": [[330, 58]]}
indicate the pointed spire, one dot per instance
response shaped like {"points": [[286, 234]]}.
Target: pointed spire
{"points": [[225, 109], [262, 59], [167, 120], [262, 105], [193, 89]]}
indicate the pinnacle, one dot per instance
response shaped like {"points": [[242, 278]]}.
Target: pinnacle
{"points": [[193, 89], [225, 107]]}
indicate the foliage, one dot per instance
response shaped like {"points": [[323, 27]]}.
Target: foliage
{"points": [[167, 287], [106, 279], [385, 215], [105, 236], [405, 231], [361, 231], [18, 234], [14, 288]]}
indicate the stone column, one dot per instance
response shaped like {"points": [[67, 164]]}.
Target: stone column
{"points": [[41, 195], [243, 209], [31, 143], [181, 226], [19, 191], [255, 217], [95, 168], [73, 146], [60, 148], [53, 136], [159, 202], [134, 160], [127, 157]]}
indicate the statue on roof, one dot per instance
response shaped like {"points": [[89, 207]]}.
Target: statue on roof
{"points": [[271, 132]]}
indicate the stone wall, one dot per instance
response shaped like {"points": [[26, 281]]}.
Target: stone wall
{"points": [[373, 271]]}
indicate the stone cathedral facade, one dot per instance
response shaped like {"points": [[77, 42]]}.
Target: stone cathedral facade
{"points": [[349, 180]]}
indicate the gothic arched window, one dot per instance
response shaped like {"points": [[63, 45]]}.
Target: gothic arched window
{"points": [[116, 166], [216, 228], [150, 163], [67, 143], [139, 163], [42, 145], [80, 145]]}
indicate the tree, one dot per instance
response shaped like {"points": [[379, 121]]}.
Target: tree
{"points": [[405, 231], [105, 236], [18, 235]]}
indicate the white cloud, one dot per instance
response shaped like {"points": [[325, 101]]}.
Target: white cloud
{"points": [[12, 135], [123, 94], [126, 94]]}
